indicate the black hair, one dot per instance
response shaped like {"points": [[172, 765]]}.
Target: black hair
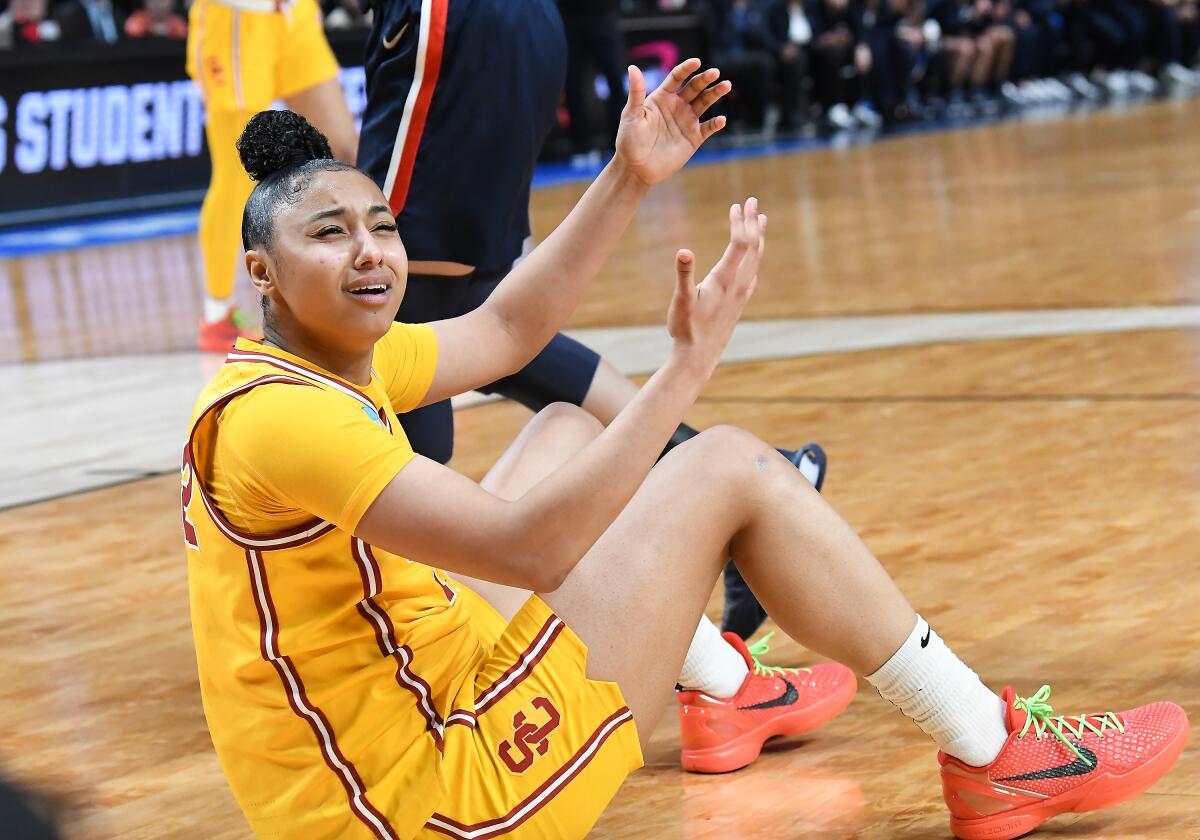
{"points": [[280, 150]]}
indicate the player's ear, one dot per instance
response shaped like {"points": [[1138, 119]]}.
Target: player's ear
{"points": [[259, 271]]}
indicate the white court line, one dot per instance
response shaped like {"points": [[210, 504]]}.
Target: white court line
{"points": [[76, 424]]}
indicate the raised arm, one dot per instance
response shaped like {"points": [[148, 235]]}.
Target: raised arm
{"points": [[432, 514], [658, 135]]}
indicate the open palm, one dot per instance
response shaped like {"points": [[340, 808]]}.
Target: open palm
{"points": [[660, 132], [702, 316]]}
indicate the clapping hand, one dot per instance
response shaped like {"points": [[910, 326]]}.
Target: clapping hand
{"points": [[659, 133], [701, 317]]}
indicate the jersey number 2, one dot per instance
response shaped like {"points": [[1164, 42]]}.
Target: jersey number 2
{"points": [[189, 527]]}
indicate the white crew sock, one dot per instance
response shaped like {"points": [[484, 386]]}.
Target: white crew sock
{"points": [[712, 665], [810, 469], [943, 696], [217, 309]]}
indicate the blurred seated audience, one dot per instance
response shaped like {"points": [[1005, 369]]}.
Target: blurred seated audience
{"points": [[593, 29], [741, 47], [23, 25], [790, 33], [1189, 24], [345, 14], [852, 64], [1165, 30], [893, 60], [841, 61], [156, 19], [89, 21], [985, 25]]}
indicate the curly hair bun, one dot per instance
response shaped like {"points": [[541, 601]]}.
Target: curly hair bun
{"points": [[277, 140]]}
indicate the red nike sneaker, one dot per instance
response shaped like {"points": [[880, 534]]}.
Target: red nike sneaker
{"points": [[723, 735], [1051, 765], [219, 336]]}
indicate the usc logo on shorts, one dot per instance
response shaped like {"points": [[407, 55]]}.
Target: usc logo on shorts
{"points": [[530, 738]]}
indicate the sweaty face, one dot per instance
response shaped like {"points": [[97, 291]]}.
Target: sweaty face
{"points": [[336, 266]]}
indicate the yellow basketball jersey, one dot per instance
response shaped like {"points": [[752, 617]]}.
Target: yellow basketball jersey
{"points": [[334, 675]]}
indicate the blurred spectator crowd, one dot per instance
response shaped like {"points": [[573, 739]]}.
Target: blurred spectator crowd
{"points": [[863, 63], [48, 24], [796, 64], [805, 65]]}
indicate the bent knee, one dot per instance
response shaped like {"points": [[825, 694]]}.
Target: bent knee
{"points": [[567, 421], [728, 445]]}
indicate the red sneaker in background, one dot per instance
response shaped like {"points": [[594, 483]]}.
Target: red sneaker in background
{"points": [[219, 336]]}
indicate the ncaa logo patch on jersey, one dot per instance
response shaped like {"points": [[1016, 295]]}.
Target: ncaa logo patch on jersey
{"points": [[375, 416]]}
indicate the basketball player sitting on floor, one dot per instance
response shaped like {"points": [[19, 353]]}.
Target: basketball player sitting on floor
{"points": [[351, 692]]}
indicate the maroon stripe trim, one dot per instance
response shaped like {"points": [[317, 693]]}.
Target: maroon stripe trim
{"points": [[262, 619], [457, 716], [521, 663], [561, 777], [379, 640], [446, 590], [244, 539], [293, 537], [284, 663], [385, 637], [421, 690], [342, 768], [363, 572], [373, 562], [242, 356]]}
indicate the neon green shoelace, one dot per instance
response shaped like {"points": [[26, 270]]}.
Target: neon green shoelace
{"points": [[760, 648], [1040, 719]]}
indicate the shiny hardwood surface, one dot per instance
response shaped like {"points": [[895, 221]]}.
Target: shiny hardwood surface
{"points": [[1038, 499], [1096, 209]]}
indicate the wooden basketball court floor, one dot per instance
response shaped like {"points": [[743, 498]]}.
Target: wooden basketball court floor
{"points": [[1037, 494]]}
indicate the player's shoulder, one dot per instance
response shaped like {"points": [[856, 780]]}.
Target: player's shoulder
{"points": [[278, 404], [402, 341], [398, 334], [288, 394]]}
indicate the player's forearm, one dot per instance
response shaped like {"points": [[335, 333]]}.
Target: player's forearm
{"points": [[536, 299], [567, 512]]}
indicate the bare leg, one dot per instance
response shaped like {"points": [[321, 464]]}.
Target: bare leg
{"points": [[609, 392], [1004, 39], [635, 598], [549, 440], [324, 105], [981, 72], [960, 53]]}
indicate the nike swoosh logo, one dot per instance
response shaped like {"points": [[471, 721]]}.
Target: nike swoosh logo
{"points": [[786, 699], [1078, 767], [389, 43], [925, 640]]}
